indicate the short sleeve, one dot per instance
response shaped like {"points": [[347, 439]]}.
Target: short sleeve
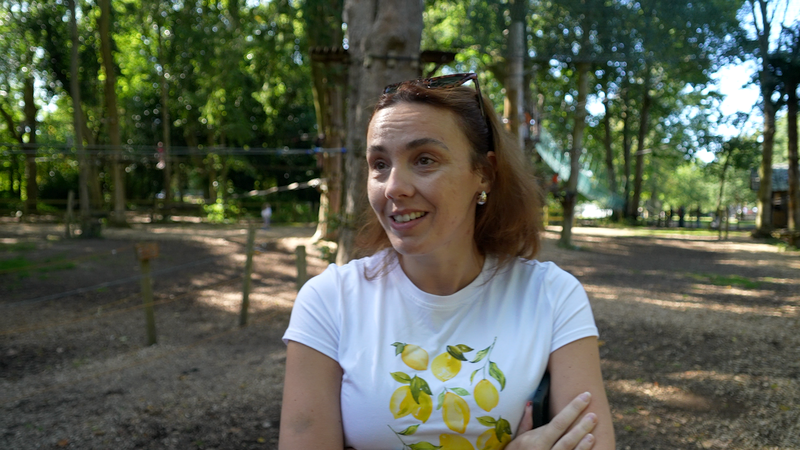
{"points": [[572, 313], [316, 315]]}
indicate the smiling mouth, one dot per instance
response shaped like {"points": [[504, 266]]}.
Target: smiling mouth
{"points": [[403, 218]]}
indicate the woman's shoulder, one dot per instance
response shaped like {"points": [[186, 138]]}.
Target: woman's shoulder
{"points": [[355, 271], [536, 273]]}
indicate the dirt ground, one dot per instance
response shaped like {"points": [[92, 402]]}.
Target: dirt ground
{"points": [[700, 339]]}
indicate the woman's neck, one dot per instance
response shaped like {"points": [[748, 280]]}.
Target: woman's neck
{"points": [[443, 275]]}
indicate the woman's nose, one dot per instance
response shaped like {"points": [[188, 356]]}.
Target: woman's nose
{"points": [[399, 184]]}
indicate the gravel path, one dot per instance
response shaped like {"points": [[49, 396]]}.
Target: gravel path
{"points": [[700, 339]]}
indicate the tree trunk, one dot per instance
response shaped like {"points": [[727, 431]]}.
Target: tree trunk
{"points": [[626, 156], [633, 207], [117, 172], [384, 39], [608, 144], [89, 226], [722, 193], [323, 22], [514, 102], [31, 186], [794, 194], [571, 194], [767, 86]]}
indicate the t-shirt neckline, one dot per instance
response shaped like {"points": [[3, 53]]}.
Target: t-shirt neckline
{"points": [[441, 302]]}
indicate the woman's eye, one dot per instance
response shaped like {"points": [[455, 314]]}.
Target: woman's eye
{"points": [[424, 161], [379, 165]]}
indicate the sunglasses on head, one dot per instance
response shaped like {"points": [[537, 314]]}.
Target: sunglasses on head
{"points": [[442, 82]]}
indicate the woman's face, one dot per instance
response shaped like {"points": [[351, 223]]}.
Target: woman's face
{"points": [[421, 184]]}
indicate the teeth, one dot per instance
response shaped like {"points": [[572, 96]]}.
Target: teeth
{"points": [[402, 218]]}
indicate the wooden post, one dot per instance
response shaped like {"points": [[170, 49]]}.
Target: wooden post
{"points": [[248, 271], [300, 253], [69, 217], [145, 252]]}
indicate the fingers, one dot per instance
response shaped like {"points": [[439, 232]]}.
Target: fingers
{"points": [[579, 437], [562, 421], [526, 423]]}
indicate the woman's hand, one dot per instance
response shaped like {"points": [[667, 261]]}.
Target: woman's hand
{"points": [[551, 436]]}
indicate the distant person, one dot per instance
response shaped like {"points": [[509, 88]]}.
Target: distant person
{"points": [[439, 338], [681, 215], [266, 215]]}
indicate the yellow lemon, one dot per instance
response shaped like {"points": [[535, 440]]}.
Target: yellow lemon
{"points": [[415, 357], [488, 440], [402, 403], [454, 442], [423, 410], [455, 412], [445, 367], [486, 395]]}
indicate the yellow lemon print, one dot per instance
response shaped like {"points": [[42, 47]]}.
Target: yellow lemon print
{"points": [[488, 440], [454, 442], [402, 403], [415, 357], [423, 410], [455, 412], [486, 395], [445, 367]]}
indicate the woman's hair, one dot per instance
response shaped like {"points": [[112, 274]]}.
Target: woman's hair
{"points": [[508, 225]]}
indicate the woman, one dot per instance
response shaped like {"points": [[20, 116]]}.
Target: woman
{"points": [[439, 337]]}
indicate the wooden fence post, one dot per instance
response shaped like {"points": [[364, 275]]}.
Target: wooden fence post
{"points": [[145, 252], [69, 217], [248, 271], [300, 253]]}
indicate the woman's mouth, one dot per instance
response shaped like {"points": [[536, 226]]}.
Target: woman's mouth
{"points": [[403, 218]]}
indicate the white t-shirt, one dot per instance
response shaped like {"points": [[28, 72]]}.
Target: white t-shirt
{"points": [[414, 363]]}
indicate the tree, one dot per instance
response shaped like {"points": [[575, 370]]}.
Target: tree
{"points": [[112, 120], [787, 68], [384, 44], [767, 83]]}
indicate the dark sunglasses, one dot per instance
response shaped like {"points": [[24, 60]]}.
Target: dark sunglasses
{"points": [[443, 82]]}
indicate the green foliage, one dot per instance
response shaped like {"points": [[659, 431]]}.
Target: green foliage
{"points": [[221, 211]]}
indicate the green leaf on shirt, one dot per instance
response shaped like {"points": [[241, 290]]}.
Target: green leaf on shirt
{"points": [[473, 375], [456, 353], [502, 428], [460, 391], [410, 430], [424, 446], [440, 401], [464, 348], [482, 354], [398, 348], [497, 374], [487, 421], [401, 377]]}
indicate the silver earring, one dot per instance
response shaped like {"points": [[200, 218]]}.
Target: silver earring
{"points": [[482, 198]]}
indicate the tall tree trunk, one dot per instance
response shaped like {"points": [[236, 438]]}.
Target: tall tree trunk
{"points": [[767, 86], [722, 194], [117, 172], [378, 31], [571, 194], [633, 207], [794, 189], [89, 226], [31, 186], [514, 101], [626, 155], [323, 21], [610, 170]]}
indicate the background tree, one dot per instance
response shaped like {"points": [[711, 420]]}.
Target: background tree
{"points": [[384, 45]]}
